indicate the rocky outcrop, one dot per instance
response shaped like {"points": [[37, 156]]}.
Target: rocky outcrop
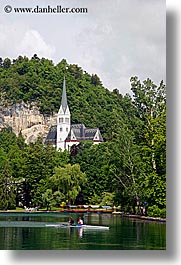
{"points": [[27, 119]]}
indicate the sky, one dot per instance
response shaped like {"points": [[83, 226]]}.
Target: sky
{"points": [[115, 39]]}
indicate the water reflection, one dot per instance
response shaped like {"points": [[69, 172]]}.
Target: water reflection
{"points": [[75, 230], [31, 233], [80, 232]]}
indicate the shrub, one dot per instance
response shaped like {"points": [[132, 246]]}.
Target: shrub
{"points": [[154, 211]]}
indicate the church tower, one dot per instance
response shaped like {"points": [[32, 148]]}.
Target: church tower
{"points": [[63, 120]]}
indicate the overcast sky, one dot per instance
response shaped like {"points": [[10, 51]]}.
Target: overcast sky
{"points": [[116, 39]]}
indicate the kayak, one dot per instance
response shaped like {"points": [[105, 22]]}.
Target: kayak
{"points": [[78, 226], [91, 226]]}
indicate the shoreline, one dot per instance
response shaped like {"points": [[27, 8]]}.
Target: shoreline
{"points": [[141, 217], [121, 214]]}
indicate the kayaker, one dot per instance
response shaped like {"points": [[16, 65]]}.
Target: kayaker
{"points": [[71, 221], [80, 221]]}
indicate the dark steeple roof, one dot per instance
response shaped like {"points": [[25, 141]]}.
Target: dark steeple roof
{"points": [[64, 97]]}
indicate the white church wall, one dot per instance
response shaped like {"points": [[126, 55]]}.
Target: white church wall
{"points": [[63, 127]]}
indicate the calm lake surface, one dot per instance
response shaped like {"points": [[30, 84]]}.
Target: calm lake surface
{"points": [[28, 231]]}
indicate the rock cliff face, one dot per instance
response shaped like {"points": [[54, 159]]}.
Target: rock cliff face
{"points": [[27, 119]]}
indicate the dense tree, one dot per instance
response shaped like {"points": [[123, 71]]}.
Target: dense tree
{"points": [[69, 180], [39, 80], [7, 63], [52, 199], [151, 103], [39, 164], [7, 188]]}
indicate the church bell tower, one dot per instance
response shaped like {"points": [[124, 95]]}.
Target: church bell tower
{"points": [[63, 120]]}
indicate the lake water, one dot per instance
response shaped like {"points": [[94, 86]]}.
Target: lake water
{"points": [[28, 231]]}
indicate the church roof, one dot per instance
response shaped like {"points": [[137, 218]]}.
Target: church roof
{"points": [[90, 134], [80, 132], [52, 135], [83, 133]]}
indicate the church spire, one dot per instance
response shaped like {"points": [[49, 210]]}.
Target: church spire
{"points": [[63, 121], [64, 97]]}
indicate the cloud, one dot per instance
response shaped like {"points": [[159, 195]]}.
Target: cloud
{"points": [[32, 42], [123, 40], [116, 39], [18, 39]]}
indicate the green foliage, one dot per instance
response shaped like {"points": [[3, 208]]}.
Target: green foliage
{"points": [[94, 161], [154, 211], [58, 198], [107, 198], [127, 169], [26, 169], [155, 190], [151, 103], [47, 199], [69, 180], [95, 199], [39, 80], [39, 165], [10, 169], [51, 199], [7, 189]]}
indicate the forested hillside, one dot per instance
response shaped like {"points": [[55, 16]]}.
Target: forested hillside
{"points": [[38, 80], [128, 169]]}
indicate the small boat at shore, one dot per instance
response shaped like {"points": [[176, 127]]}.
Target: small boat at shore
{"points": [[78, 226]]}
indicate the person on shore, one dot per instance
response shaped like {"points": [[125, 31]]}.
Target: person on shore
{"points": [[80, 221], [71, 221]]}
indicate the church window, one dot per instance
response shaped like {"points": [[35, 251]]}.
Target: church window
{"points": [[60, 120], [61, 129], [67, 120], [67, 129]]}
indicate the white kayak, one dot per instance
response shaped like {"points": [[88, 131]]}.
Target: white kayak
{"points": [[78, 226]]}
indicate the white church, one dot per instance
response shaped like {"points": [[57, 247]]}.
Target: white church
{"points": [[63, 135]]}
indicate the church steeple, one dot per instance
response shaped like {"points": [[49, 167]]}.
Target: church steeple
{"points": [[63, 120], [64, 97]]}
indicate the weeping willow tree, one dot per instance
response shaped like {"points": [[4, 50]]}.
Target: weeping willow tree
{"points": [[69, 180]]}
